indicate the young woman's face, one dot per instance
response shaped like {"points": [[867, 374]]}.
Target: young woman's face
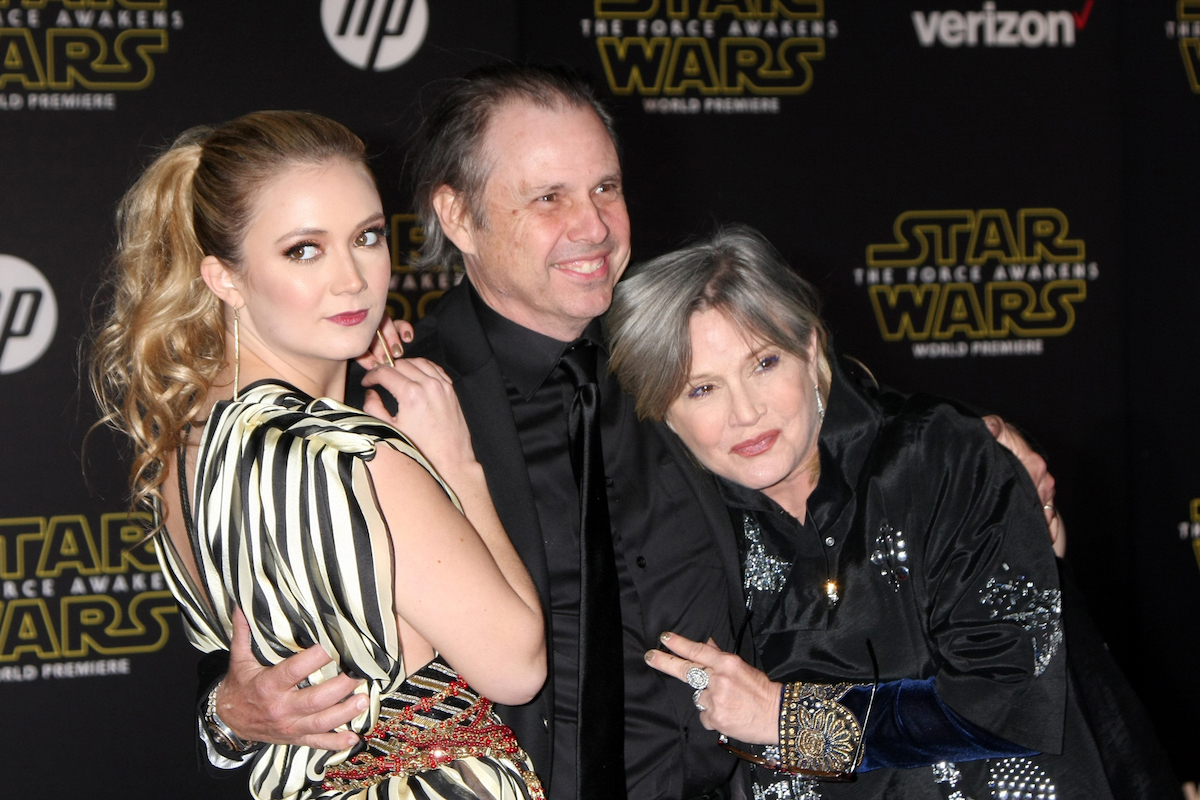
{"points": [[316, 266], [749, 409]]}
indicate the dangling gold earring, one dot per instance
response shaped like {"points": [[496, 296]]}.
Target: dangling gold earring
{"points": [[820, 404], [237, 356]]}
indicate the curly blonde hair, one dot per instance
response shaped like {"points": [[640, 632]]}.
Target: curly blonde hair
{"points": [[161, 341]]}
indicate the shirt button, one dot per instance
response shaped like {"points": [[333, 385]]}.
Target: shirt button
{"points": [[829, 541], [641, 561], [608, 481]]}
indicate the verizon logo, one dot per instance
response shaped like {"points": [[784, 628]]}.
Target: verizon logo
{"points": [[990, 27]]}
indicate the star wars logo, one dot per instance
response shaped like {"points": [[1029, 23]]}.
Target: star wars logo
{"points": [[709, 56], [69, 591], [411, 291], [1185, 29], [980, 283], [1189, 530], [49, 48]]}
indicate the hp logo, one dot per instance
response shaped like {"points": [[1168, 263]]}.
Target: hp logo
{"points": [[28, 314], [375, 35]]}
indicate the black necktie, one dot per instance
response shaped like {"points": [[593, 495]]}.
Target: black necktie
{"points": [[600, 746]]}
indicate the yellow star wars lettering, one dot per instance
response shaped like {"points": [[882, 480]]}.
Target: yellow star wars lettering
{"points": [[95, 45], [977, 275], [66, 592], [709, 48]]}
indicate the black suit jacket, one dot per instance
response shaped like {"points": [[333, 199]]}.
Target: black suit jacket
{"points": [[452, 337]]}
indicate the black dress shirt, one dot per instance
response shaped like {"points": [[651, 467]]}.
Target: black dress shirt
{"points": [[670, 577]]}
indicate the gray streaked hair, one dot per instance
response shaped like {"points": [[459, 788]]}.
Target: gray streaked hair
{"points": [[449, 145], [735, 271]]}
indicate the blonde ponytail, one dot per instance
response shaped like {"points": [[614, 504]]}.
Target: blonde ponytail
{"points": [[163, 342]]}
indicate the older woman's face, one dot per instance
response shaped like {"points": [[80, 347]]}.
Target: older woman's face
{"points": [[749, 410]]}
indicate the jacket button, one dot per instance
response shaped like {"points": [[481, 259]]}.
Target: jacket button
{"points": [[641, 561], [545, 723], [608, 481]]}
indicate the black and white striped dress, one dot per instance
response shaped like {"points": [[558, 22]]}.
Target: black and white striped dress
{"points": [[285, 527]]}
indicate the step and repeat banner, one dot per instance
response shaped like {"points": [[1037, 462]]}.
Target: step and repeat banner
{"points": [[97, 680], [996, 199]]}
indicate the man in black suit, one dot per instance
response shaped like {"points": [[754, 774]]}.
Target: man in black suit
{"points": [[544, 238]]}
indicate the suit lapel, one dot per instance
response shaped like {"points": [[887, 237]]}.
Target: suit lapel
{"points": [[469, 361], [453, 337], [719, 526]]}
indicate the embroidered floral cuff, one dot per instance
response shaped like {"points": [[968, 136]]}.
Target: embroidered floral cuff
{"points": [[817, 734]]}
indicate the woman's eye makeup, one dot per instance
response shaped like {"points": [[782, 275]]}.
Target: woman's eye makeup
{"points": [[700, 391], [372, 237], [307, 251], [304, 251], [768, 362]]}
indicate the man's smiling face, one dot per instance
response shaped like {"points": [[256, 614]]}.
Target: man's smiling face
{"points": [[554, 235]]}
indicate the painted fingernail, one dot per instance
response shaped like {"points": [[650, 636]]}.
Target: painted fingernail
{"points": [[407, 336], [397, 351], [665, 636], [649, 656]]}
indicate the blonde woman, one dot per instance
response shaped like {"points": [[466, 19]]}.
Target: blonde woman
{"points": [[252, 264]]}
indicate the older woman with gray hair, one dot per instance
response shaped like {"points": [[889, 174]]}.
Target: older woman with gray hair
{"points": [[901, 594]]}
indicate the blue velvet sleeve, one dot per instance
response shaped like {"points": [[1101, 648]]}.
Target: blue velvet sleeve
{"points": [[910, 726]]}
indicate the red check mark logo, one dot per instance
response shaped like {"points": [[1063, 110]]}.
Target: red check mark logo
{"points": [[1081, 17]]}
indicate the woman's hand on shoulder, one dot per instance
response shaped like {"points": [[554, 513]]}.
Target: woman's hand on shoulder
{"points": [[739, 700], [427, 410]]}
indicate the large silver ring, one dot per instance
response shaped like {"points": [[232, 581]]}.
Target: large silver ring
{"points": [[696, 700], [697, 678]]}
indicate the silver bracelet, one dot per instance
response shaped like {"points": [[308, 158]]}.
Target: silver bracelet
{"points": [[223, 736]]}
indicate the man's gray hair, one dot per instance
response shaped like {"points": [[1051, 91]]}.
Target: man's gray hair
{"points": [[735, 271], [449, 146]]}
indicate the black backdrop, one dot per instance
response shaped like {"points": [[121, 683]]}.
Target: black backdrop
{"points": [[996, 200]]}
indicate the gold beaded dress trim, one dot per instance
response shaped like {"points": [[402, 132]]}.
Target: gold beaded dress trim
{"points": [[434, 719]]}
